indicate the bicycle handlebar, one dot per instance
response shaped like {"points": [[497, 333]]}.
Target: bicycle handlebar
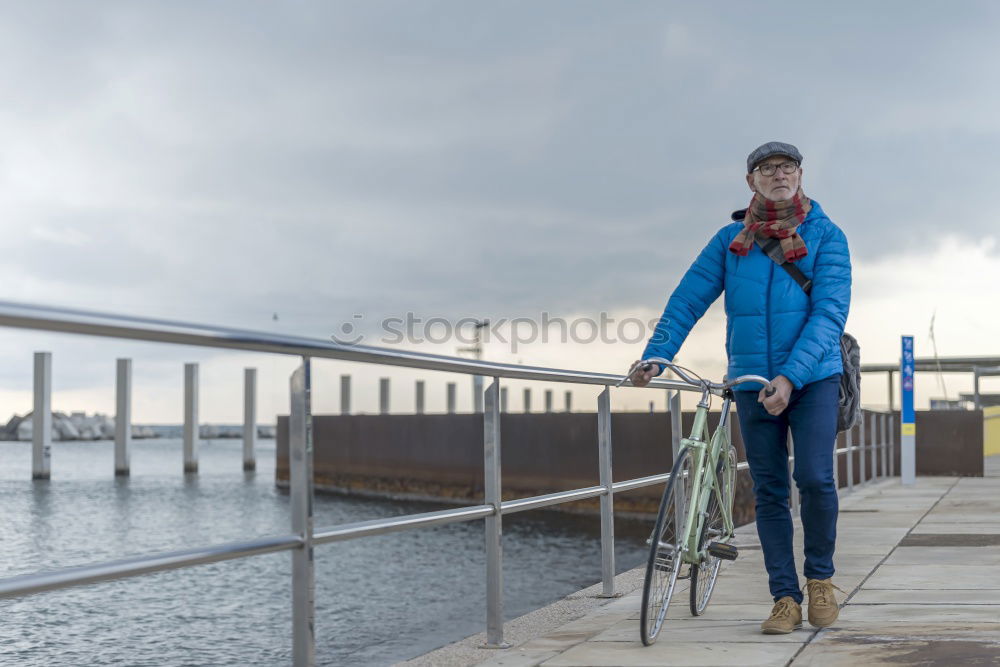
{"points": [[646, 364]]}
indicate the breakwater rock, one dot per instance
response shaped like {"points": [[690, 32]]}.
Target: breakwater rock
{"points": [[80, 426]]}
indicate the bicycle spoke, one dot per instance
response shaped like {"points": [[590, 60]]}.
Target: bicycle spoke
{"points": [[665, 558], [705, 573]]}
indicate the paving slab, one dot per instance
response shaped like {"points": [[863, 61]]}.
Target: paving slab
{"points": [[942, 527], [918, 645], [678, 654], [925, 596], [989, 556], [697, 630], [935, 576], [861, 615]]}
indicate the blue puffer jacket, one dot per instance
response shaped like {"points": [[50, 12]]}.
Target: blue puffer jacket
{"points": [[772, 327]]}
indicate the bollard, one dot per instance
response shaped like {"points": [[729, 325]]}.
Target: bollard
{"points": [[383, 396], [477, 394], [249, 419], [123, 416], [503, 399], [345, 394], [191, 436], [548, 400], [569, 401], [41, 418], [527, 399], [420, 397], [450, 392]]}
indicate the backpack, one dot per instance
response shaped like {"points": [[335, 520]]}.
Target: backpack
{"points": [[849, 403]]}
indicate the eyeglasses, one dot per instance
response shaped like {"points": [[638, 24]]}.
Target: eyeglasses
{"points": [[768, 169]]}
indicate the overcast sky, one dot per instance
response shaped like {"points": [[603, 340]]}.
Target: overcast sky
{"points": [[338, 162]]}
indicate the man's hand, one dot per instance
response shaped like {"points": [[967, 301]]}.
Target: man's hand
{"points": [[641, 378], [777, 402]]}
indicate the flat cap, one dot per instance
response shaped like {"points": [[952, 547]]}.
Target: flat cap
{"points": [[765, 151]]}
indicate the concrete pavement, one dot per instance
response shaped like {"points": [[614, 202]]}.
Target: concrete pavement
{"points": [[921, 565]]}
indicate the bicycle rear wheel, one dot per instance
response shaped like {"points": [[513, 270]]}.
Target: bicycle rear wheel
{"points": [[704, 574], [664, 549]]}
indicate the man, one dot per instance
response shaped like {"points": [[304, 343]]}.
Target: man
{"points": [[774, 329]]}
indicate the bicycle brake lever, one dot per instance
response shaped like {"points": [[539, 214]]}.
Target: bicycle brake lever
{"points": [[645, 367]]}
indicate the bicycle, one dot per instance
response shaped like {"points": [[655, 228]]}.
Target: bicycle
{"points": [[694, 525]]}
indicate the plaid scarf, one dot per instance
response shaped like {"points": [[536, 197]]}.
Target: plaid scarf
{"points": [[776, 220]]}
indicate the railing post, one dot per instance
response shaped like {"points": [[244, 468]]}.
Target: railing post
{"points": [[861, 443], [527, 399], [451, 397], [249, 418], [123, 416], [794, 495], [41, 418], [676, 428], [569, 401], [419, 389], [850, 459], [836, 463], [874, 446], [548, 400], [300, 457], [503, 399], [976, 400], [607, 500], [675, 425], [494, 522], [191, 435], [884, 422], [892, 444]]}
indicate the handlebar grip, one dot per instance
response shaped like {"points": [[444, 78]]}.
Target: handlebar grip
{"points": [[770, 392]]}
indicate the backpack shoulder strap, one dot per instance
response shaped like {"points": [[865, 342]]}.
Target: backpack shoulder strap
{"points": [[772, 248]]}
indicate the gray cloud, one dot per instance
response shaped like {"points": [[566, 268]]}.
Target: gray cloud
{"points": [[223, 162]]}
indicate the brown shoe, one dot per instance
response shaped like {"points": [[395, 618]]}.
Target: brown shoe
{"points": [[823, 609], [785, 617]]}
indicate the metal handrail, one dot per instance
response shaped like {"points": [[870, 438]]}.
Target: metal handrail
{"points": [[300, 461], [91, 323], [39, 582]]}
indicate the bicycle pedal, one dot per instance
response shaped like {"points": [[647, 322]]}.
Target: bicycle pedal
{"points": [[723, 551]]}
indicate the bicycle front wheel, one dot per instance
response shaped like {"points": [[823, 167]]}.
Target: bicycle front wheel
{"points": [[665, 548], [704, 574]]}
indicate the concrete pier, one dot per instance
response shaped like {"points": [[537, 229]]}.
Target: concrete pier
{"points": [[41, 433], [920, 564], [191, 438], [123, 416]]}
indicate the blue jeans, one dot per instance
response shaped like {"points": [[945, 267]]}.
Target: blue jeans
{"points": [[812, 416]]}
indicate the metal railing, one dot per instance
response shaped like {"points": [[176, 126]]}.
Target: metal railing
{"points": [[304, 536]]}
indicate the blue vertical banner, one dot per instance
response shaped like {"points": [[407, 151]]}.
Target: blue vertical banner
{"points": [[907, 420]]}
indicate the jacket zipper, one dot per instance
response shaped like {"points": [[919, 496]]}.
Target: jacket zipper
{"points": [[767, 319]]}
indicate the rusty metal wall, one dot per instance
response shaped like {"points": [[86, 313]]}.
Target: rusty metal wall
{"points": [[441, 456]]}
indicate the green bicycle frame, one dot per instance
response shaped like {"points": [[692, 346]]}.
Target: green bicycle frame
{"points": [[705, 457]]}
